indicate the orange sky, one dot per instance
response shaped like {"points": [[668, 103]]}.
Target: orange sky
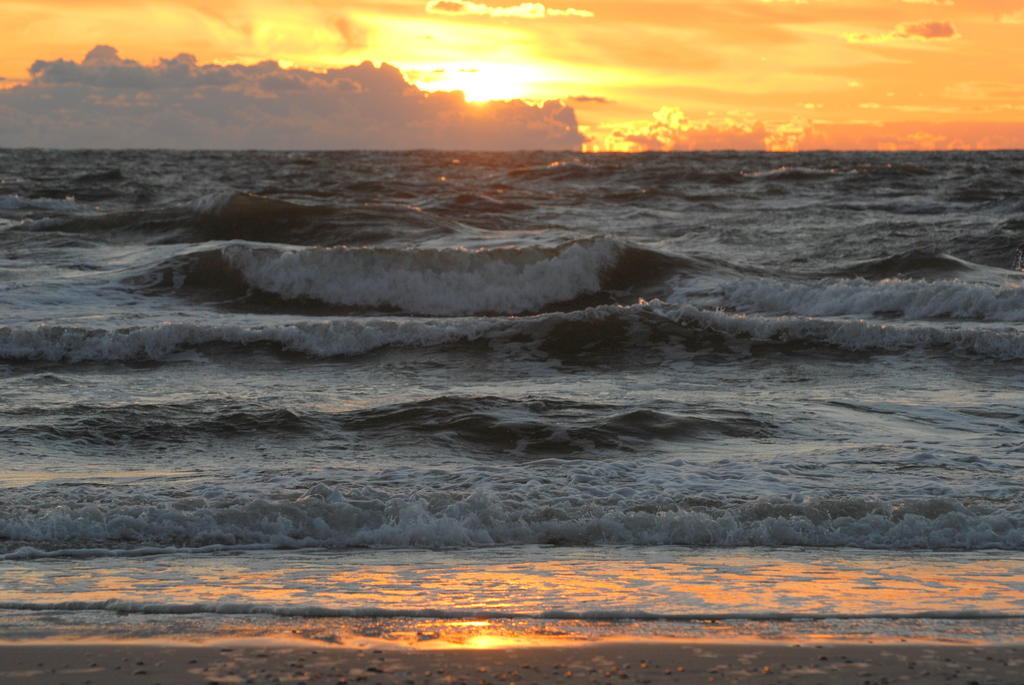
{"points": [[650, 74]]}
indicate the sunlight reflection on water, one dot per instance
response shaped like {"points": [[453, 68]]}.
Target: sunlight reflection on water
{"points": [[537, 582]]}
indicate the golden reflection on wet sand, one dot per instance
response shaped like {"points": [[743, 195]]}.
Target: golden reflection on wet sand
{"points": [[737, 583]]}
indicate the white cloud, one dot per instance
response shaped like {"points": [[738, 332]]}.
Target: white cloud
{"points": [[108, 101], [525, 10]]}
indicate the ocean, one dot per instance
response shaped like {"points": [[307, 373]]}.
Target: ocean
{"points": [[440, 396]]}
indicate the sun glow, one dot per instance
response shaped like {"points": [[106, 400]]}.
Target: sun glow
{"points": [[921, 74], [480, 82]]}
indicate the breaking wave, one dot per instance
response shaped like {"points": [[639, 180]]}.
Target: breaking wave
{"points": [[438, 282], [608, 329], [164, 341], [586, 506], [906, 299]]}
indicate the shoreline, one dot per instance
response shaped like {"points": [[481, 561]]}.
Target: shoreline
{"points": [[609, 661]]}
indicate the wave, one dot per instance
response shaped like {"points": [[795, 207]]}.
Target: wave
{"points": [[511, 428], [225, 215], [595, 504], [563, 170], [481, 210], [794, 173], [846, 168], [995, 246], [165, 341], [911, 264], [895, 298], [433, 282], [113, 175], [853, 336], [123, 606], [16, 203], [246, 216], [722, 168], [613, 331], [158, 423]]}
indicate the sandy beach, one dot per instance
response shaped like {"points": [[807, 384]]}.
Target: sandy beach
{"points": [[605, 662]]}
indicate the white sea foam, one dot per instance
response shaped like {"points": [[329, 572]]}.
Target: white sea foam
{"points": [[16, 203], [28, 553], [355, 336], [910, 299], [211, 203], [1004, 343], [449, 282], [587, 508], [161, 342], [797, 171]]}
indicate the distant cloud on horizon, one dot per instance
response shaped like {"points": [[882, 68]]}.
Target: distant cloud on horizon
{"points": [[670, 129], [106, 101], [525, 10]]}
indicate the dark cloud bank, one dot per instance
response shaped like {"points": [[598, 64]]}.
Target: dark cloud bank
{"points": [[105, 101]]}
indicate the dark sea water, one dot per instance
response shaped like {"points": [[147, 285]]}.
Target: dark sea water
{"points": [[533, 386]]}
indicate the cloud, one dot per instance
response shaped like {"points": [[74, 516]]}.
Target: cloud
{"points": [[526, 10], [943, 3], [1013, 17], [670, 129], [354, 35], [925, 30], [1000, 94], [590, 99], [108, 101], [910, 136]]}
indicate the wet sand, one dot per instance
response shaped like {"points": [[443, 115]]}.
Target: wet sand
{"points": [[603, 662]]}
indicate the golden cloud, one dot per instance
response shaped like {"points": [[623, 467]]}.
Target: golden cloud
{"points": [[526, 10], [924, 30], [1013, 17], [670, 129]]}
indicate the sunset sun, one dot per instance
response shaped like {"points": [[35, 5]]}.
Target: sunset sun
{"points": [[482, 82]]}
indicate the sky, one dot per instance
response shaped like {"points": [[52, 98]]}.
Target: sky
{"points": [[625, 76]]}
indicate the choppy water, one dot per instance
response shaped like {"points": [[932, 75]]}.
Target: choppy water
{"points": [[638, 359]]}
